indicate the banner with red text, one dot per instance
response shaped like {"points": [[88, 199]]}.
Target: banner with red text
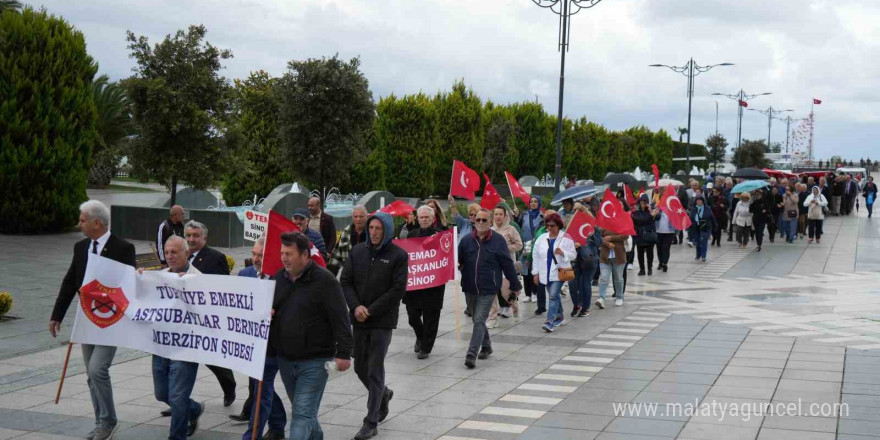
{"points": [[432, 260]]}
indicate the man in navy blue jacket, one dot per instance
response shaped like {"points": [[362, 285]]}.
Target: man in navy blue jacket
{"points": [[483, 259]]}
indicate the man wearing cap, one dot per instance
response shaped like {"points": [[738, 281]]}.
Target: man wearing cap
{"points": [[301, 218]]}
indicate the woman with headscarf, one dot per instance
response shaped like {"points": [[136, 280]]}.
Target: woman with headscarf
{"points": [[790, 212], [815, 203], [760, 209], [553, 250], [742, 219], [501, 224], [530, 221], [704, 223], [643, 218]]}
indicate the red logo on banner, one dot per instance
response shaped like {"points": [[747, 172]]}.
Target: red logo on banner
{"points": [[103, 305], [249, 215]]}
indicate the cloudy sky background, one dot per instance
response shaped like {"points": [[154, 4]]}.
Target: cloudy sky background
{"points": [[506, 51]]}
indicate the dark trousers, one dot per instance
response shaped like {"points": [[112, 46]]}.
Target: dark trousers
{"points": [[630, 256], [541, 293], [226, 379], [270, 403], [664, 244], [716, 235], [370, 348], [529, 287], [742, 234], [771, 229], [816, 229], [649, 250], [759, 231], [424, 323], [583, 293]]}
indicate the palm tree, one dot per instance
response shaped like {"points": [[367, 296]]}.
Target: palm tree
{"points": [[114, 120], [681, 132], [10, 5]]}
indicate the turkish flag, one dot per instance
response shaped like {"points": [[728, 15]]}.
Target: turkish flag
{"points": [[630, 199], [612, 216], [743, 103], [817, 101], [465, 181], [279, 224], [656, 176], [671, 206], [516, 189], [398, 208], [491, 198], [581, 227]]}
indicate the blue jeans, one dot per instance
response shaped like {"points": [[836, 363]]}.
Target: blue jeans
{"points": [[270, 403], [554, 308], [304, 381], [702, 241], [791, 229], [173, 382], [480, 335], [582, 288], [614, 271]]}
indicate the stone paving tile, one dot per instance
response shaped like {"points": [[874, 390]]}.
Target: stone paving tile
{"points": [[706, 431]]}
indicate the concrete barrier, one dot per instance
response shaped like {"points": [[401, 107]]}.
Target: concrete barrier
{"points": [[142, 223]]}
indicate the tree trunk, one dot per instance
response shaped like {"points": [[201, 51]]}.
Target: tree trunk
{"points": [[173, 190]]}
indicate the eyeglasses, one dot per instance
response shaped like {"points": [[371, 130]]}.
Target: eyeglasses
{"points": [[481, 220]]}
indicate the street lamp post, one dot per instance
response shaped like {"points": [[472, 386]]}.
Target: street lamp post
{"points": [[742, 99], [770, 111], [564, 9], [690, 70], [788, 120]]}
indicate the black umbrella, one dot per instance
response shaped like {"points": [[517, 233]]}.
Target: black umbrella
{"points": [[750, 174], [615, 180]]}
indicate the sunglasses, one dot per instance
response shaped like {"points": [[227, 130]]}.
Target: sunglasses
{"points": [[481, 220]]}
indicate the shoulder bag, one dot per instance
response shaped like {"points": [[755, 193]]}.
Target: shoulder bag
{"points": [[564, 274]]}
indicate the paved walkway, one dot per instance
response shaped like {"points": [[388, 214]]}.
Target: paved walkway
{"points": [[804, 329]]}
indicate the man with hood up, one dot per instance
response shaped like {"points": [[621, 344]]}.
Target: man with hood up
{"points": [[374, 281]]}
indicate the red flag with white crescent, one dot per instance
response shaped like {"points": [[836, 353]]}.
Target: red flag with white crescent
{"points": [[612, 217], [581, 227], [516, 189], [672, 207], [465, 181], [491, 198], [279, 224], [630, 199]]}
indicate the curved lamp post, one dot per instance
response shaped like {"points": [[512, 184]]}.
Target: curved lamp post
{"points": [[742, 99], [690, 70], [564, 9], [770, 111]]}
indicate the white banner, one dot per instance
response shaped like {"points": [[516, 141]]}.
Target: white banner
{"points": [[255, 225], [210, 319]]}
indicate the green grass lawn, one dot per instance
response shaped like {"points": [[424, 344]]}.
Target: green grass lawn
{"points": [[123, 188], [131, 179]]}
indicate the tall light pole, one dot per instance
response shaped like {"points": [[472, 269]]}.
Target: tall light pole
{"points": [[788, 120], [716, 117], [690, 70], [742, 98], [770, 111], [564, 9]]}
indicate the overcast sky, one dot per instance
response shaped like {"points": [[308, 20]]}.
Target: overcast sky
{"points": [[506, 51]]}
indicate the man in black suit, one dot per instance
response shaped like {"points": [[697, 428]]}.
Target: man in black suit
{"points": [[94, 221], [211, 262]]}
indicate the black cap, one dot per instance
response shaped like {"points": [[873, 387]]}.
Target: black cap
{"points": [[301, 212]]}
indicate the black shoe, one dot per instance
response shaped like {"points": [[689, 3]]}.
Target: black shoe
{"points": [[470, 361], [583, 312], [665, 267], [272, 435], [595, 282], [650, 271], [165, 413], [540, 311], [383, 408], [575, 311], [240, 418], [484, 353], [641, 272], [194, 422], [229, 399], [417, 347], [367, 431], [423, 354]]}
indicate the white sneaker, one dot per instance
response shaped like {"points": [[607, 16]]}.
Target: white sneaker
{"points": [[629, 266], [600, 303], [690, 244], [492, 323], [505, 312], [564, 291], [528, 299], [618, 302]]}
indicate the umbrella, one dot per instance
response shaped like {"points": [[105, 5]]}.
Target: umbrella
{"points": [[750, 174], [576, 193], [619, 179], [749, 186], [666, 182]]}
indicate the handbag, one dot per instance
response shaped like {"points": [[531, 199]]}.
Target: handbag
{"points": [[792, 213], [564, 273], [649, 237]]}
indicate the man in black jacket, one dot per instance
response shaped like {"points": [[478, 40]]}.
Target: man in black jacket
{"points": [[310, 327], [170, 227], [94, 221], [374, 281], [210, 262]]}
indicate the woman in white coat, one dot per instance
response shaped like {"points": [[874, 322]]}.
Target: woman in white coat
{"points": [[815, 204], [553, 250]]}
